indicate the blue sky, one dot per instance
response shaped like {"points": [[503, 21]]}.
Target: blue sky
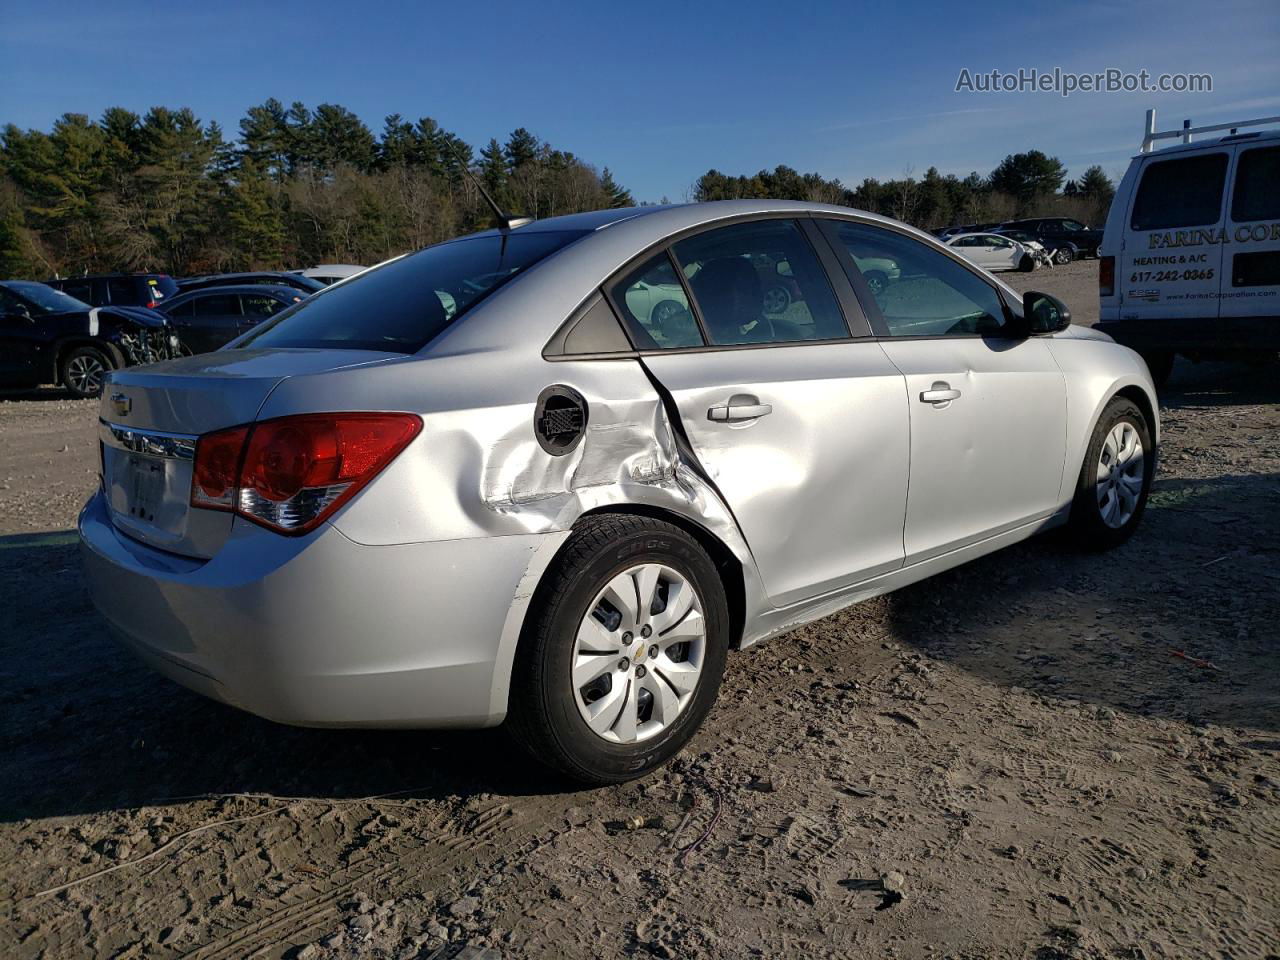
{"points": [[661, 92]]}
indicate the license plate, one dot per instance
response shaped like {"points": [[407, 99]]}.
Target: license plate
{"points": [[145, 487]]}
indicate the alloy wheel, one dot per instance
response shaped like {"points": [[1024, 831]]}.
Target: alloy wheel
{"points": [[638, 653], [85, 374]]}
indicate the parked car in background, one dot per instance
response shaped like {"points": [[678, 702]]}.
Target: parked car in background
{"points": [[1068, 238], [328, 273], [209, 317], [1190, 263], [48, 336], [994, 252], [271, 277], [119, 289], [371, 511]]}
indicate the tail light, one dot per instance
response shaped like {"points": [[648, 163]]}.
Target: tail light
{"points": [[292, 473], [1106, 276]]}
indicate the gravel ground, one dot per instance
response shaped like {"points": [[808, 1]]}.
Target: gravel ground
{"points": [[1008, 760]]}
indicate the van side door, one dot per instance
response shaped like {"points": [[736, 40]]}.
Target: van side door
{"points": [[1251, 252], [1170, 266]]}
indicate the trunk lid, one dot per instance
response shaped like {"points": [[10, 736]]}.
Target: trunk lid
{"points": [[151, 416]]}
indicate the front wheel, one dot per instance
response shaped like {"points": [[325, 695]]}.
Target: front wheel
{"points": [[622, 656], [83, 372], [1111, 491], [1064, 255]]}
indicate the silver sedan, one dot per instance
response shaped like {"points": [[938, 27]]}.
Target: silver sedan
{"points": [[552, 474]]}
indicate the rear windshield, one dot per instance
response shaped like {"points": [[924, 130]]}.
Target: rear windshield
{"points": [[401, 305]]}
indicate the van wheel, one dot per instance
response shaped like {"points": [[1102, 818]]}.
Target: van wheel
{"points": [[1160, 364], [621, 657], [83, 372], [1111, 491]]}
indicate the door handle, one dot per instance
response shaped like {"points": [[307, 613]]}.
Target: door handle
{"points": [[940, 394], [741, 406]]}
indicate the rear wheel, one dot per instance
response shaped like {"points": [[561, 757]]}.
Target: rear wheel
{"points": [[877, 280], [1064, 254], [84, 369], [623, 653], [1111, 491], [1027, 263]]}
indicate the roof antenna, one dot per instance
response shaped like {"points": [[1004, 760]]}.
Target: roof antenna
{"points": [[500, 220]]}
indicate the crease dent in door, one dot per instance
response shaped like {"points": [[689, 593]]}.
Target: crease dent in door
{"points": [[628, 456]]}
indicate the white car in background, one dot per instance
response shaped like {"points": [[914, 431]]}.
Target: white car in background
{"points": [[330, 273], [993, 252]]}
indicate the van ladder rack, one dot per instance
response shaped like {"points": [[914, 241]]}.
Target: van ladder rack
{"points": [[1152, 135]]}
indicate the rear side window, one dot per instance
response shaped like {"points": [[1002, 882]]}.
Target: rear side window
{"points": [[760, 282], [403, 304], [919, 291], [1186, 192], [1257, 190], [121, 291], [218, 305], [655, 307]]}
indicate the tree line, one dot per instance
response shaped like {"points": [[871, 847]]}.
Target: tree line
{"points": [[1022, 185], [166, 191]]}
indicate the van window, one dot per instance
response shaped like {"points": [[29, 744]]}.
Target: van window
{"points": [[1186, 192], [1257, 192]]}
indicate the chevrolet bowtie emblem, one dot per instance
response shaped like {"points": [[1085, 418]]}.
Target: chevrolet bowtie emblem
{"points": [[122, 404]]}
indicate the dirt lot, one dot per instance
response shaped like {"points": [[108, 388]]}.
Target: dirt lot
{"points": [[1006, 761]]}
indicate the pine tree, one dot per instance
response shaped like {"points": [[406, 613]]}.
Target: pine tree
{"points": [[615, 196]]}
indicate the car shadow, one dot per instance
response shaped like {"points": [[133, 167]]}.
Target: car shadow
{"points": [[35, 393], [1179, 622], [86, 727], [1221, 384]]}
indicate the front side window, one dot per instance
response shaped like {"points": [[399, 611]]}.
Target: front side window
{"points": [[654, 306], [1186, 192], [403, 304], [927, 294], [260, 305], [760, 283], [1257, 192]]}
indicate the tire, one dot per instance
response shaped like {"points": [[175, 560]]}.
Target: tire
{"points": [[549, 711], [83, 371], [877, 280], [1160, 364], [1027, 263], [1093, 523], [1064, 255], [777, 300]]}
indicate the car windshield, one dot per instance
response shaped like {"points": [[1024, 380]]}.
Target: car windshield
{"points": [[401, 305], [46, 298]]}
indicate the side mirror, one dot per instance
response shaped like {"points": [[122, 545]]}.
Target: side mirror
{"points": [[1044, 313]]}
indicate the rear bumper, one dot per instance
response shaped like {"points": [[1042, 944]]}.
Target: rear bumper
{"points": [[1192, 334], [320, 630]]}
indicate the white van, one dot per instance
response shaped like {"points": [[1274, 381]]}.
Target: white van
{"points": [[1190, 257]]}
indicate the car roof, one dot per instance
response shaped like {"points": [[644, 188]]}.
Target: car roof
{"points": [[556, 287], [282, 289], [106, 276], [1246, 139]]}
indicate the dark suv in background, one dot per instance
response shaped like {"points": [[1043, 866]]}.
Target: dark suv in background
{"points": [[1068, 238], [120, 289]]}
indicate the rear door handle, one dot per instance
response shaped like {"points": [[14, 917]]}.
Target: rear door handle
{"points": [[940, 394], [741, 406]]}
